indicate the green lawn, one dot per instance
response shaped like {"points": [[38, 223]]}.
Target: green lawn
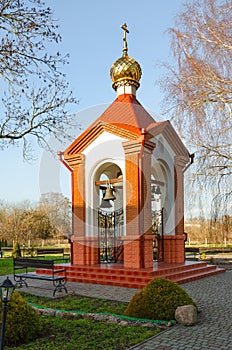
{"points": [[6, 266], [80, 303], [82, 334]]}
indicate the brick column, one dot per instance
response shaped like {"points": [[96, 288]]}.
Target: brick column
{"points": [[179, 164], [77, 162], [137, 247], [173, 245]]}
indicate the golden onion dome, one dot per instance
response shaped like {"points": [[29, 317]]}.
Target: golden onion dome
{"points": [[125, 70]]}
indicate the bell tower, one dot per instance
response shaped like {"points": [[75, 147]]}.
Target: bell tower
{"points": [[115, 163]]}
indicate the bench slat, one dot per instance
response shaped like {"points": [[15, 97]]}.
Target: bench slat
{"points": [[50, 251], [192, 250], [39, 276], [53, 251], [28, 262]]}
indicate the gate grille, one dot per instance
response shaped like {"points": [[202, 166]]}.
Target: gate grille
{"points": [[110, 232], [158, 217]]}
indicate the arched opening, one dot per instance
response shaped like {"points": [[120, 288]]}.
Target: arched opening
{"points": [[163, 179], [107, 211], [108, 176], [162, 190]]}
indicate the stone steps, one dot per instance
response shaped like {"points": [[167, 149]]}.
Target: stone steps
{"points": [[116, 275]]}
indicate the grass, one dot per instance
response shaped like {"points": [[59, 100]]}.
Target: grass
{"points": [[66, 334], [6, 266], [63, 334], [80, 303]]}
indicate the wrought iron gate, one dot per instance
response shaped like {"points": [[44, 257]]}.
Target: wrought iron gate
{"points": [[110, 231], [158, 217]]}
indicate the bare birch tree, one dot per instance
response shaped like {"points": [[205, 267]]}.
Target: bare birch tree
{"points": [[198, 88], [35, 95]]}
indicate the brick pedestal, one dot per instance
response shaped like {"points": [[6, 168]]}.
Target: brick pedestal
{"points": [[138, 251], [173, 249], [85, 251]]}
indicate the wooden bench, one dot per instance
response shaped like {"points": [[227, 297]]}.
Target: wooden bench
{"points": [[193, 251], [21, 273], [53, 251]]}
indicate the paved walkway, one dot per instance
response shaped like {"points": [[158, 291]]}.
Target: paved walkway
{"points": [[213, 295]]}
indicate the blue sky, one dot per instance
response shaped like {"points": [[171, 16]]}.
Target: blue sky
{"points": [[92, 36]]}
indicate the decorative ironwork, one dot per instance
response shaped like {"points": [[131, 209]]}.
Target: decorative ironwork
{"points": [[110, 231], [158, 220]]}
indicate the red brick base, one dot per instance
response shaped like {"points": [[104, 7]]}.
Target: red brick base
{"points": [[85, 251], [138, 251], [172, 249]]}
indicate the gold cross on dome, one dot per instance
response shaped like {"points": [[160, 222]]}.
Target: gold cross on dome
{"points": [[125, 48]]}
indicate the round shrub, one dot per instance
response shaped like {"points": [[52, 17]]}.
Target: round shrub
{"points": [[22, 322], [158, 300]]}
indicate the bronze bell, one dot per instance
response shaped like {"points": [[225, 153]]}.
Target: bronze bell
{"points": [[109, 196], [105, 204]]}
